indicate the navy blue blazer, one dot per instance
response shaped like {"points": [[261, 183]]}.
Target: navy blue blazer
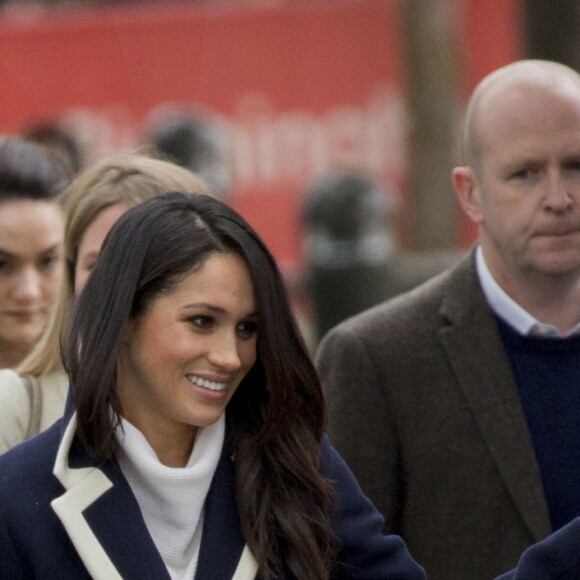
{"points": [[63, 516], [555, 558]]}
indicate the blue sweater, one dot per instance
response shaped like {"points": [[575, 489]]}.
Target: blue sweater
{"points": [[547, 372]]}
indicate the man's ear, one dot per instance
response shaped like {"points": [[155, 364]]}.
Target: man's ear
{"points": [[469, 192]]}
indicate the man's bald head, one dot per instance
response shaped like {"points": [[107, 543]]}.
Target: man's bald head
{"points": [[516, 82], [521, 179]]}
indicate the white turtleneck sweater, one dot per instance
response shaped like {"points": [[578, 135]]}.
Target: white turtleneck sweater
{"points": [[172, 499]]}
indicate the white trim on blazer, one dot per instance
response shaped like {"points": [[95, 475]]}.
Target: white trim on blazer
{"points": [[83, 487]]}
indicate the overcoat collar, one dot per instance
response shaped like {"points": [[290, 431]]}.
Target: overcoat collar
{"points": [[475, 350], [102, 519]]}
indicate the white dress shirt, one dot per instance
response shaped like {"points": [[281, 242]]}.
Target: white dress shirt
{"points": [[509, 310]]}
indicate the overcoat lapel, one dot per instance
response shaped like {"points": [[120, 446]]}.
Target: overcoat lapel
{"points": [[471, 339]]}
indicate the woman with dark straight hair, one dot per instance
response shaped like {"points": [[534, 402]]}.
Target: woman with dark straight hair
{"points": [[195, 445]]}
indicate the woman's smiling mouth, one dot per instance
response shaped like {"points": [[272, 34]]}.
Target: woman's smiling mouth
{"points": [[211, 385]]}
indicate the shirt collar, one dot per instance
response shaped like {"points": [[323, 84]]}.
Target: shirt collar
{"points": [[509, 310]]}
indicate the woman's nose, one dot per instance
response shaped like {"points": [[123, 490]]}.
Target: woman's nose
{"points": [[224, 352], [28, 285]]}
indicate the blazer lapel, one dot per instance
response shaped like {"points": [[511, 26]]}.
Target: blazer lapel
{"points": [[83, 487], [106, 529], [223, 552], [247, 567], [110, 535], [476, 353]]}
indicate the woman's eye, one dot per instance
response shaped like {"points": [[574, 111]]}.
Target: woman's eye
{"points": [[248, 329], [88, 267], [6, 266], [574, 166], [48, 262], [203, 322]]}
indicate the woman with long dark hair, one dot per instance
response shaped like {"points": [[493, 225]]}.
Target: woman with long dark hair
{"points": [[195, 445]]}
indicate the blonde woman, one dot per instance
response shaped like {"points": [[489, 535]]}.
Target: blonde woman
{"points": [[32, 396]]}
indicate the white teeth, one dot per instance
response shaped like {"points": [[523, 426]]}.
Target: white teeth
{"points": [[211, 385]]}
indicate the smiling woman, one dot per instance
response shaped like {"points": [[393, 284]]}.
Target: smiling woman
{"points": [[182, 361], [195, 428], [31, 235]]}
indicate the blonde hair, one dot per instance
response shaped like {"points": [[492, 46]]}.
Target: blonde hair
{"points": [[122, 179]]}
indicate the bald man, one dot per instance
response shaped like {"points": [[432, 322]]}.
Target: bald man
{"points": [[457, 405]]}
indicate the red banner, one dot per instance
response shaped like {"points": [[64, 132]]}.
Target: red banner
{"points": [[303, 87]]}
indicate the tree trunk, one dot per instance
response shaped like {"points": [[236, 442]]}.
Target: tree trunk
{"points": [[553, 31], [431, 30]]}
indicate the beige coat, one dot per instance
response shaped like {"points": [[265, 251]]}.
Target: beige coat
{"points": [[16, 404]]}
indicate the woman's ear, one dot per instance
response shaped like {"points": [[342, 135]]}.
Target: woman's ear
{"points": [[468, 192], [128, 331]]}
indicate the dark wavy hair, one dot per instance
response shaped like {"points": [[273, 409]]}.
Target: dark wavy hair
{"points": [[275, 418]]}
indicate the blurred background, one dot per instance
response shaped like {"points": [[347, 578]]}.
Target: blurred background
{"points": [[331, 125]]}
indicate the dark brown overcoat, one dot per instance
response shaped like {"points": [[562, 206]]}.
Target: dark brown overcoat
{"points": [[424, 408]]}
